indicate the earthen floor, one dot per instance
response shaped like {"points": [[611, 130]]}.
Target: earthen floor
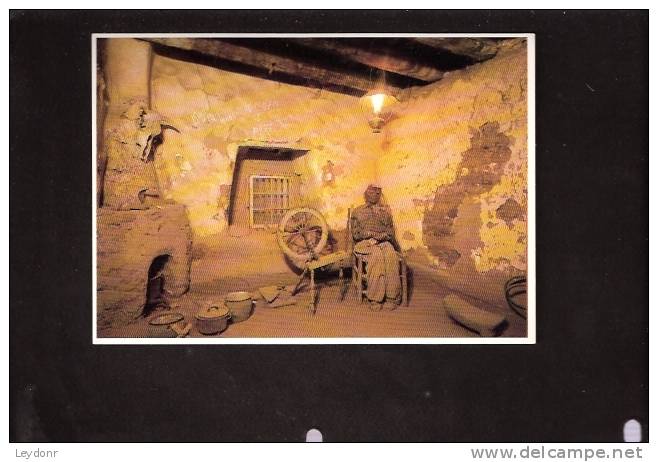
{"points": [[219, 270]]}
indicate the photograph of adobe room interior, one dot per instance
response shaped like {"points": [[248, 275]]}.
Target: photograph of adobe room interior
{"points": [[313, 188]]}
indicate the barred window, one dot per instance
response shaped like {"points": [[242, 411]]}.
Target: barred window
{"points": [[269, 199]]}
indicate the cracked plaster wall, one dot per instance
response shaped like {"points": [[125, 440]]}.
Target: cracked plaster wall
{"points": [[216, 112], [454, 170]]}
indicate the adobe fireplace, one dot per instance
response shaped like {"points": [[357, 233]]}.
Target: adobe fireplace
{"points": [[144, 242], [131, 245]]}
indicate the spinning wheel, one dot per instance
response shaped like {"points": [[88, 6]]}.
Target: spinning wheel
{"points": [[302, 235]]}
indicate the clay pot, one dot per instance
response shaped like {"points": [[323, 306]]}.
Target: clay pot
{"points": [[240, 305], [212, 320]]}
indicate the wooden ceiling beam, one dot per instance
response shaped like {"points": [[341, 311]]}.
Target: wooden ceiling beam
{"points": [[382, 59], [478, 49], [271, 63]]}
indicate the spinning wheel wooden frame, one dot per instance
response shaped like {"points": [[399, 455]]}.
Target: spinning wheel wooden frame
{"points": [[302, 235]]}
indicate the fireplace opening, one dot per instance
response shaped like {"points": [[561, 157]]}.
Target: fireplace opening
{"points": [[156, 294]]}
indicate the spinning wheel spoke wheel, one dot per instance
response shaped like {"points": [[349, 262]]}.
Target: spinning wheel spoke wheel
{"points": [[302, 235]]}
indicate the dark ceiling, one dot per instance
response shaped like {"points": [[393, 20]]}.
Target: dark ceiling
{"points": [[345, 65]]}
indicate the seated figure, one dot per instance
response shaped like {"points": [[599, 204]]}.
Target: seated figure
{"points": [[372, 231]]}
